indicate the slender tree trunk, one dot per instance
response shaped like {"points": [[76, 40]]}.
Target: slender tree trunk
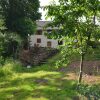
{"points": [[81, 68]]}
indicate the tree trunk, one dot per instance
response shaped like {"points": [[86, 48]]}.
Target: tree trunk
{"points": [[81, 68]]}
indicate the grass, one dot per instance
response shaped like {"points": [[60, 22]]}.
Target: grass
{"points": [[92, 54], [38, 83], [34, 84], [43, 82]]}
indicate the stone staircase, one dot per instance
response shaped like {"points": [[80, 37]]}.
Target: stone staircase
{"points": [[37, 55], [40, 55]]}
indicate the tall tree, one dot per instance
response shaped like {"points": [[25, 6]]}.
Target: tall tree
{"points": [[20, 15], [76, 20], [9, 42]]}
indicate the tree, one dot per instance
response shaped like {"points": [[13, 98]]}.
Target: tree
{"points": [[9, 42], [24, 26], [76, 20], [20, 15]]}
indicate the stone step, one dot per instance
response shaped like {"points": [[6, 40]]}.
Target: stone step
{"points": [[40, 55]]}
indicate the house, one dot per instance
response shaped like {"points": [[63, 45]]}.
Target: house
{"points": [[39, 39]]}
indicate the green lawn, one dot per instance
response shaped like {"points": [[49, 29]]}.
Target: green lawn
{"points": [[34, 84], [43, 82]]}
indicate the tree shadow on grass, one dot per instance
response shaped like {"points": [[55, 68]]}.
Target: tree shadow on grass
{"points": [[48, 85], [63, 90], [54, 88], [15, 94]]}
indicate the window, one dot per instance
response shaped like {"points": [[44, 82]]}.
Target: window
{"points": [[49, 31], [39, 32], [60, 42], [49, 44], [38, 40]]}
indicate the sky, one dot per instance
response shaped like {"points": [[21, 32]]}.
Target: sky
{"points": [[44, 3]]}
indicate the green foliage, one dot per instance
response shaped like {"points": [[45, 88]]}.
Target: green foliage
{"points": [[20, 15], [42, 83], [65, 57], [36, 83], [2, 61], [9, 43], [9, 68], [6, 71], [90, 91], [24, 8], [2, 26], [24, 26], [77, 21]]}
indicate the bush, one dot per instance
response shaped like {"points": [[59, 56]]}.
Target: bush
{"points": [[90, 91], [6, 70], [10, 68], [9, 44], [1, 61]]}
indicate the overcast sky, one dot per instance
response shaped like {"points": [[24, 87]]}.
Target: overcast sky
{"points": [[44, 3], [47, 2]]}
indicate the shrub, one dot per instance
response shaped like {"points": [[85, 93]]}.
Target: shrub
{"points": [[1, 60], [10, 68], [6, 70], [90, 91]]}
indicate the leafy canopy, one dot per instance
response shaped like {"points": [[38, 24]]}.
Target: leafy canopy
{"points": [[75, 19], [77, 24], [20, 15]]}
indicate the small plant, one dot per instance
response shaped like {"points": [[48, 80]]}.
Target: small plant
{"points": [[6, 70], [1, 60], [10, 68], [90, 91]]}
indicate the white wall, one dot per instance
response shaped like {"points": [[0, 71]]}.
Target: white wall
{"points": [[44, 40]]}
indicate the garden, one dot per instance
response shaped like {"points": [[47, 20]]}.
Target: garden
{"points": [[69, 72]]}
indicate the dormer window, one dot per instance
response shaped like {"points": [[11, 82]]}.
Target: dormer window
{"points": [[39, 32], [49, 31]]}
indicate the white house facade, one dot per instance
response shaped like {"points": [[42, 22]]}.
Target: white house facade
{"points": [[39, 39]]}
